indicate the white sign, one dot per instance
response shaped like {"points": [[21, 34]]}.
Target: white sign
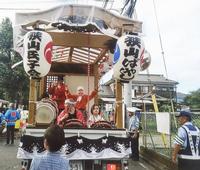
{"points": [[163, 122]]}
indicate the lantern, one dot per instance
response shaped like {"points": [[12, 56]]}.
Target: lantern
{"points": [[37, 53], [145, 60], [128, 51]]}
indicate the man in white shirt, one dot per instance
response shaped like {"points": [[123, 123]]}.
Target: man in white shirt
{"points": [[187, 143], [134, 132]]}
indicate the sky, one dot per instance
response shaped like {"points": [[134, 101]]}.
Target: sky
{"points": [[179, 27]]}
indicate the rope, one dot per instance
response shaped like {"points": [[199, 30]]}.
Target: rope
{"points": [[88, 73], [160, 39], [163, 56]]}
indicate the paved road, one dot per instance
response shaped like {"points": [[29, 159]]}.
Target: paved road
{"points": [[8, 160]]}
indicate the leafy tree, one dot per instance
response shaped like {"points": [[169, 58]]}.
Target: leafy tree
{"points": [[165, 108], [13, 82], [193, 99]]}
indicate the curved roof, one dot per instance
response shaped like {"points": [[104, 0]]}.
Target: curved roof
{"points": [[80, 33]]}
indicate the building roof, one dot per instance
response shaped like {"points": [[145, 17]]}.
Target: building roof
{"points": [[152, 79], [140, 79]]}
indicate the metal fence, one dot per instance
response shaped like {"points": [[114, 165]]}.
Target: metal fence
{"points": [[161, 143]]}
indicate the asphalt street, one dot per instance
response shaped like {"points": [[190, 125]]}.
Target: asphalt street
{"points": [[8, 153]]}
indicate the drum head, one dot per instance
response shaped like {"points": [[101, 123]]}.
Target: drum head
{"points": [[45, 113]]}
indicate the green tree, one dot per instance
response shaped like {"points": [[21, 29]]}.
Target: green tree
{"points": [[193, 99], [14, 84]]}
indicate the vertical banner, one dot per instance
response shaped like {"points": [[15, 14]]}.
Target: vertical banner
{"points": [[37, 53], [129, 49]]}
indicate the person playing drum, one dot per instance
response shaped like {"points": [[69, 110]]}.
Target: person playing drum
{"points": [[95, 115], [70, 112], [81, 99], [57, 93]]}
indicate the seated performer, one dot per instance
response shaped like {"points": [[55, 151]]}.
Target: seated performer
{"points": [[57, 93], [70, 112], [81, 99], [95, 115]]}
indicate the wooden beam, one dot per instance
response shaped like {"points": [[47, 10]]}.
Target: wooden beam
{"points": [[69, 39], [42, 88], [101, 55], [94, 56], [32, 102], [118, 106], [71, 68], [83, 49], [70, 54]]}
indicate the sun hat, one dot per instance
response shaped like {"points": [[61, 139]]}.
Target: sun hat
{"points": [[132, 109], [184, 113]]}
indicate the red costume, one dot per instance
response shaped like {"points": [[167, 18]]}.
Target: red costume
{"points": [[81, 101], [58, 95], [77, 115]]}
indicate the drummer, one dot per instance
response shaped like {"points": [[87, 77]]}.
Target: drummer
{"points": [[95, 115], [57, 93], [70, 112], [81, 98]]}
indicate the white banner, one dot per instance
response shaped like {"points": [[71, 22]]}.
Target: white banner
{"points": [[163, 122]]}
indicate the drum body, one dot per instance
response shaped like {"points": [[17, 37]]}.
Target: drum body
{"points": [[46, 111], [73, 123], [102, 124]]}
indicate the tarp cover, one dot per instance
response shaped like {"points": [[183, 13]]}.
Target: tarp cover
{"points": [[73, 16]]}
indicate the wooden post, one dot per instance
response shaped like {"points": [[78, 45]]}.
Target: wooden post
{"points": [[118, 106], [42, 86], [32, 101]]}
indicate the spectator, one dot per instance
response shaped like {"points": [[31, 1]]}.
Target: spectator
{"points": [[187, 143], [11, 116], [54, 139], [2, 122]]}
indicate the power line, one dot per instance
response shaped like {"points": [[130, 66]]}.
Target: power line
{"points": [[161, 46]]}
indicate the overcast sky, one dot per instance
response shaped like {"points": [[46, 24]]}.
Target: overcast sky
{"points": [[180, 32]]}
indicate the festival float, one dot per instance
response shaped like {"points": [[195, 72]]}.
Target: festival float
{"points": [[73, 41]]}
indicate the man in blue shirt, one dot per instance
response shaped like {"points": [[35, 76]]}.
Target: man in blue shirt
{"points": [[11, 116], [187, 143], [2, 122], [54, 139]]}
